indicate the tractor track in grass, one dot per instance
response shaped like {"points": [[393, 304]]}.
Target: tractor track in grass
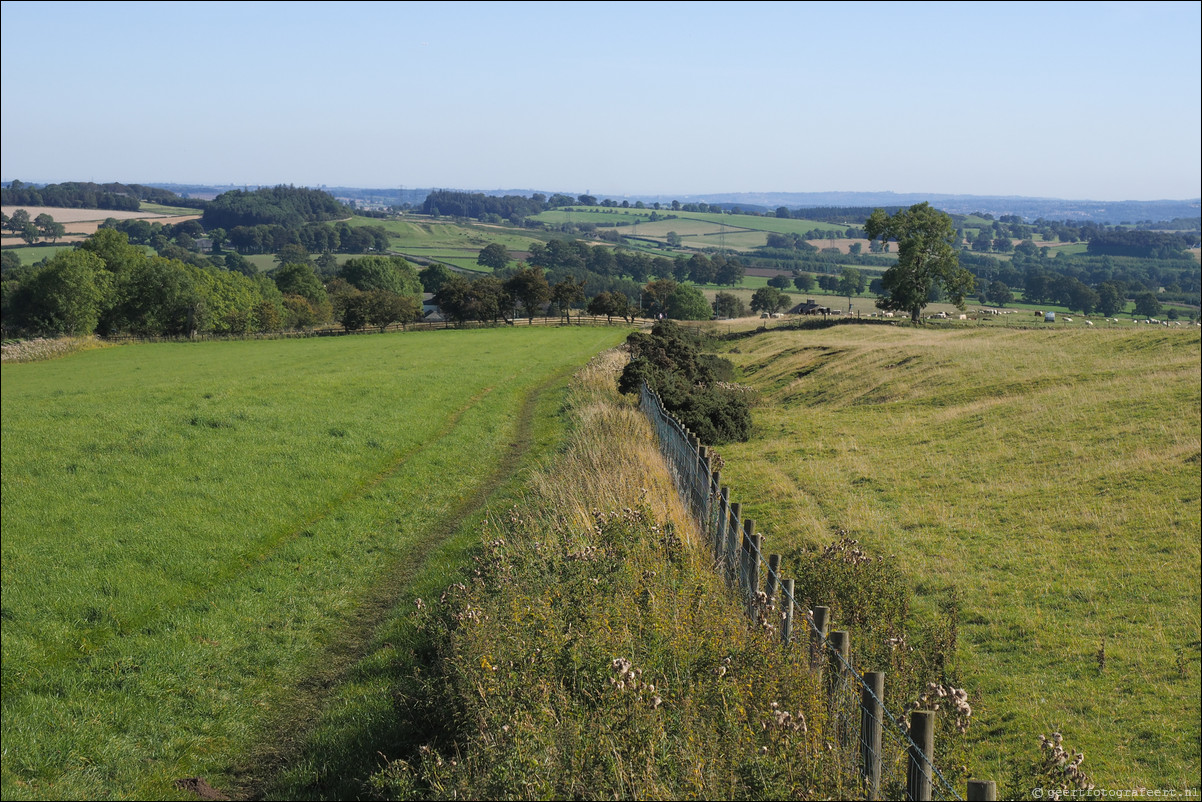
{"points": [[252, 775]]}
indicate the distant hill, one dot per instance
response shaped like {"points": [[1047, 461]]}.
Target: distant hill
{"points": [[1028, 208]]}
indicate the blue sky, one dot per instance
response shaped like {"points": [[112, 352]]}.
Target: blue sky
{"points": [[1073, 100]]}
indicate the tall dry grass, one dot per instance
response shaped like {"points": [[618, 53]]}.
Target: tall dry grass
{"points": [[592, 652]]}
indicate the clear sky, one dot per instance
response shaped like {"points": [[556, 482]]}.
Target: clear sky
{"points": [[1074, 100]]}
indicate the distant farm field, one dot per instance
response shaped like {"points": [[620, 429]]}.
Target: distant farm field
{"points": [[197, 536], [1043, 481], [80, 223]]}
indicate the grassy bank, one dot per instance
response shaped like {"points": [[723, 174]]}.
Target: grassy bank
{"points": [[1042, 484]]}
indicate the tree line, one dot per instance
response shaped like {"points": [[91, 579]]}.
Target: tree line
{"points": [[108, 286], [44, 226], [87, 195]]}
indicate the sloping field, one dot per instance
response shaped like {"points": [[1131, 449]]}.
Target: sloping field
{"points": [[1044, 484], [84, 215], [80, 223], [198, 539]]}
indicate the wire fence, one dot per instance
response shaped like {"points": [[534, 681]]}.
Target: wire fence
{"points": [[877, 753]]}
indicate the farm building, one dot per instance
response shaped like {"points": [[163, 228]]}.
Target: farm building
{"points": [[810, 307]]}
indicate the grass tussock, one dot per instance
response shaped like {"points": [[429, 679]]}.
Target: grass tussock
{"points": [[591, 652]]}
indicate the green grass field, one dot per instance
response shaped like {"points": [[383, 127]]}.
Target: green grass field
{"points": [[32, 254], [439, 236], [1050, 476], [158, 208], [199, 538]]}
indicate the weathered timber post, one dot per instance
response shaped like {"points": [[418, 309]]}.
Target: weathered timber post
{"points": [[732, 543], [703, 487], [691, 478], [786, 629], [871, 729], [747, 557], [773, 577], [723, 522], [918, 772], [755, 545], [836, 675], [821, 618], [982, 791], [715, 490]]}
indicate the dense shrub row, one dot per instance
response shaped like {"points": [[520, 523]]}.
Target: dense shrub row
{"points": [[694, 386]]}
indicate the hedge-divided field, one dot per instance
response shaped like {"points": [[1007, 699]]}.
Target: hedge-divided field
{"points": [[1040, 485], [198, 539]]}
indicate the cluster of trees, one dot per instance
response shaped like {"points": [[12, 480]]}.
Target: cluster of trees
{"points": [[340, 237], [109, 286], [290, 207], [86, 195], [44, 226], [833, 214], [1032, 271], [491, 208], [1141, 244], [694, 386]]}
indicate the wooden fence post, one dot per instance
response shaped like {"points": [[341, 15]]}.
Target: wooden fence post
{"points": [[747, 557], [835, 677], [821, 618], [982, 791], [732, 543], [755, 545], [723, 522], [786, 629], [918, 772], [871, 730], [704, 477], [773, 577]]}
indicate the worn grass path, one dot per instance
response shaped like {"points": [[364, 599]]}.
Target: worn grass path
{"points": [[289, 735]]}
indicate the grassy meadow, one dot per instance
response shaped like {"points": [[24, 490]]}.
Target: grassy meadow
{"points": [[200, 539], [1041, 483]]}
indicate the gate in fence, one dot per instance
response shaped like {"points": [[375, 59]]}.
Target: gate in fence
{"points": [[881, 753]]}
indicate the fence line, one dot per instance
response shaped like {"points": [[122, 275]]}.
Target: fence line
{"points": [[884, 747]]}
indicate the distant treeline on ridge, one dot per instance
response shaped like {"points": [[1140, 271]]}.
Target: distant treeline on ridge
{"points": [[86, 195], [290, 207]]}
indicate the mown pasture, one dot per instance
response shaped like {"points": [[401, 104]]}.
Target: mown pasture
{"points": [[1042, 483], [198, 538]]}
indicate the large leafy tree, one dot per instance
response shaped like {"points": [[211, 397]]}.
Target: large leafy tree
{"points": [[66, 295], [770, 300], [927, 259], [385, 308], [687, 303], [567, 294], [529, 287], [493, 255], [390, 273], [300, 279], [50, 229]]}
